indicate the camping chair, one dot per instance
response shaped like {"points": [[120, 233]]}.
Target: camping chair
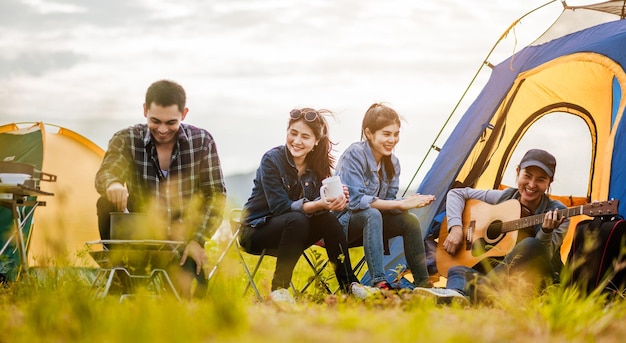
{"points": [[322, 266], [317, 270], [21, 154], [234, 221], [359, 267], [356, 269], [362, 263]]}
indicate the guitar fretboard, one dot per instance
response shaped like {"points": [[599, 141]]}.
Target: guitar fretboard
{"points": [[538, 218]]}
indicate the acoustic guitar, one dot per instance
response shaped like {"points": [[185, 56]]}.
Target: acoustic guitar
{"points": [[492, 230]]}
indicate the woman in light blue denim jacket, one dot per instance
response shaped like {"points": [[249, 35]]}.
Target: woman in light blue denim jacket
{"points": [[284, 211], [371, 171]]}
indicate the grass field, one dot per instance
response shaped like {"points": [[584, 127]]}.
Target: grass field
{"points": [[57, 305]]}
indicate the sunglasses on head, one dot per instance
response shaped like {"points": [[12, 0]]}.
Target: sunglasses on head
{"points": [[309, 115]]}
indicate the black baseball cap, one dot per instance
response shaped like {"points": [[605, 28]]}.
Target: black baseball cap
{"points": [[539, 158]]}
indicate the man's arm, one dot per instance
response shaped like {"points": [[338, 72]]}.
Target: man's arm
{"points": [[213, 192], [114, 170]]}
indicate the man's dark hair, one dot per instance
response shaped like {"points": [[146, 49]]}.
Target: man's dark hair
{"points": [[166, 93]]}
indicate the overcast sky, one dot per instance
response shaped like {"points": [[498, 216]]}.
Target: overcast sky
{"points": [[85, 64]]}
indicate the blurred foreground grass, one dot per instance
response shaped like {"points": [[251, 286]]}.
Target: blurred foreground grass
{"points": [[56, 305]]}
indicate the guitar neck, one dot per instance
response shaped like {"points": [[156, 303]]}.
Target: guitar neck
{"points": [[530, 221]]}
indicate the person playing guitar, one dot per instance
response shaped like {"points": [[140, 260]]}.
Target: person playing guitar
{"points": [[533, 249]]}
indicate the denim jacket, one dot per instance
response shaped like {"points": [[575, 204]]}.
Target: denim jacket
{"points": [[277, 188], [358, 171]]}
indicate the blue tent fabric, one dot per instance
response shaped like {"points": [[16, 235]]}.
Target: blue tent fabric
{"points": [[617, 97], [617, 186], [608, 39], [611, 38]]}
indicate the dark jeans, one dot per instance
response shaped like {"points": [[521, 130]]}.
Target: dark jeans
{"points": [[290, 234], [176, 271], [527, 259]]}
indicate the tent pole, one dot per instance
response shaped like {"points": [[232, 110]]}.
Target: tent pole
{"points": [[434, 146]]}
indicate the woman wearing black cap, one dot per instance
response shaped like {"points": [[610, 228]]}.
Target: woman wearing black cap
{"points": [[531, 257]]}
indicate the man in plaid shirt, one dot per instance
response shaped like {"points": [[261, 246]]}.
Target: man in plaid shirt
{"points": [[169, 170]]}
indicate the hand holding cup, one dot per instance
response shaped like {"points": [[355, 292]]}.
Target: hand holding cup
{"points": [[331, 189]]}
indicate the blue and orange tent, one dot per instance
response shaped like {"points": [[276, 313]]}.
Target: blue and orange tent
{"points": [[576, 68]]}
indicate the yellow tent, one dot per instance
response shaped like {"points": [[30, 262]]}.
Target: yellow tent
{"points": [[61, 227]]}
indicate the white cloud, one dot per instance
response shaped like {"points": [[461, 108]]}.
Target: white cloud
{"points": [[246, 63], [48, 7]]}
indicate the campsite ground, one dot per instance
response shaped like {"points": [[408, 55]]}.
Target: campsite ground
{"points": [[56, 305]]}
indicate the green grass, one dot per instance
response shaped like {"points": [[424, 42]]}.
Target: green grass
{"points": [[57, 305]]}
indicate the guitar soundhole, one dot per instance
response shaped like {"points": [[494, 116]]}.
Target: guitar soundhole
{"points": [[494, 231]]}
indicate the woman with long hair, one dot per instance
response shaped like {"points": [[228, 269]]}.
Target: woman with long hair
{"points": [[285, 211], [372, 173]]}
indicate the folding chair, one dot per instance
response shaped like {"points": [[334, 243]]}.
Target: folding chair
{"points": [[234, 221], [356, 269], [318, 270], [235, 216], [233, 241], [358, 243]]}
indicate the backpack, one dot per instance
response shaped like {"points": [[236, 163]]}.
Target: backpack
{"points": [[597, 257]]}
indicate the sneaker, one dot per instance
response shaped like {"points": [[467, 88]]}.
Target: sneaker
{"points": [[281, 296], [362, 291], [385, 286], [443, 295]]}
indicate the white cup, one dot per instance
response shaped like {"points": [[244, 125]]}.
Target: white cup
{"points": [[331, 188]]}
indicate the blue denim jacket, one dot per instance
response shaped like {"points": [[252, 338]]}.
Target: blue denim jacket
{"points": [[358, 171], [277, 188]]}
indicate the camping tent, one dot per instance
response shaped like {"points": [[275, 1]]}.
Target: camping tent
{"points": [[60, 229], [576, 67]]}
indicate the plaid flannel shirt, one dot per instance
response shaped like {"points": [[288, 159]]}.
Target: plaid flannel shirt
{"points": [[132, 159]]}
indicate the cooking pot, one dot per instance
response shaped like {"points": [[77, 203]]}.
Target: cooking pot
{"points": [[19, 169], [136, 226]]}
